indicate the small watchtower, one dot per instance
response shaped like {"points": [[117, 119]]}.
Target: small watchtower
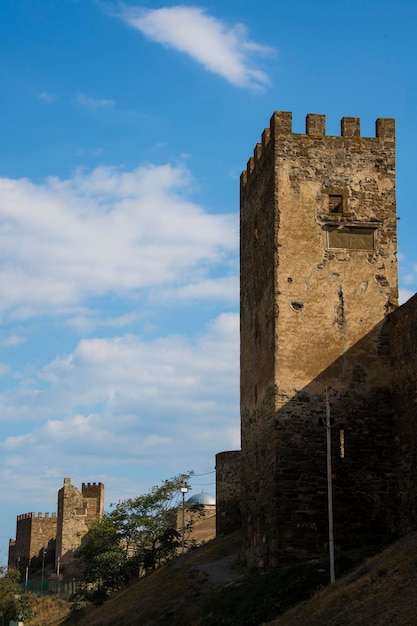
{"points": [[318, 278]]}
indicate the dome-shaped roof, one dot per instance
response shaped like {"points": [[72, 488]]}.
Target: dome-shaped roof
{"points": [[202, 498]]}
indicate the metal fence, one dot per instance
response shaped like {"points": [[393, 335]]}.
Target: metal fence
{"points": [[61, 588]]}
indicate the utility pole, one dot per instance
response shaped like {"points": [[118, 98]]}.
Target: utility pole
{"points": [[327, 423], [43, 566]]}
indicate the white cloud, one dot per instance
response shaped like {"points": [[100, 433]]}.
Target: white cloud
{"points": [[166, 404], [225, 288], [93, 103], [105, 231], [407, 277], [171, 402], [404, 295], [224, 50], [127, 375], [88, 321], [12, 340], [155, 377], [46, 97]]}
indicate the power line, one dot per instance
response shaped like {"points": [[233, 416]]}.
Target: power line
{"points": [[202, 484]]}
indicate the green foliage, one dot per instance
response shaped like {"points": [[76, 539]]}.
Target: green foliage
{"points": [[13, 604], [136, 537]]}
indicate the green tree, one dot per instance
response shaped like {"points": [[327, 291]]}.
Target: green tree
{"points": [[103, 556], [137, 536], [147, 524], [13, 604]]}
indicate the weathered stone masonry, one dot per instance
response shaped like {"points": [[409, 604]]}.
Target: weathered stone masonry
{"points": [[76, 512], [403, 335], [56, 536], [318, 282], [228, 513], [34, 534]]}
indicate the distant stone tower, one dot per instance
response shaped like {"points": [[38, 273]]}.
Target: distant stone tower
{"points": [[318, 278], [34, 543], [76, 512], [44, 540]]}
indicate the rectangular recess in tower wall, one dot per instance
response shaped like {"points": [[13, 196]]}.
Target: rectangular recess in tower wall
{"points": [[350, 237]]}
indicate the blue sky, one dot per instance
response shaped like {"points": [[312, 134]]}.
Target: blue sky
{"points": [[123, 132]]}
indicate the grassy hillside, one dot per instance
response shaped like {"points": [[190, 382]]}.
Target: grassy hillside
{"points": [[210, 587], [381, 591]]}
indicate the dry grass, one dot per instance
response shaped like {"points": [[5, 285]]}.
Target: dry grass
{"points": [[382, 591], [194, 591], [167, 596], [49, 611]]}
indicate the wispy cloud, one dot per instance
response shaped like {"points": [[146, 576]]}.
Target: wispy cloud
{"points": [[224, 50], [74, 248], [225, 288], [155, 398], [88, 321], [107, 231], [46, 97], [405, 294], [12, 340], [407, 271], [93, 103]]}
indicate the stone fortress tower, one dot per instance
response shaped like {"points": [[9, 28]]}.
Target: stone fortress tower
{"points": [[35, 536], [76, 512], [51, 540], [318, 280]]}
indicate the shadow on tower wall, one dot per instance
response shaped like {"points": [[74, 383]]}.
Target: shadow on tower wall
{"points": [[283, 504]]}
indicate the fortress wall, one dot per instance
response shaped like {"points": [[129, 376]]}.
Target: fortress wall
{"points": [[404, 390], [34, 533], [58, 534], [228, 492]]}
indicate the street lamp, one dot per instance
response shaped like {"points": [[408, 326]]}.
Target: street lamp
{"points": [[183, 491]]}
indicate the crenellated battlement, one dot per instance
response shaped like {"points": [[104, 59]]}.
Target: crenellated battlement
{"points": [[33, 515], [281, 129], [257, 154], [63, 531], [92, 490]]}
